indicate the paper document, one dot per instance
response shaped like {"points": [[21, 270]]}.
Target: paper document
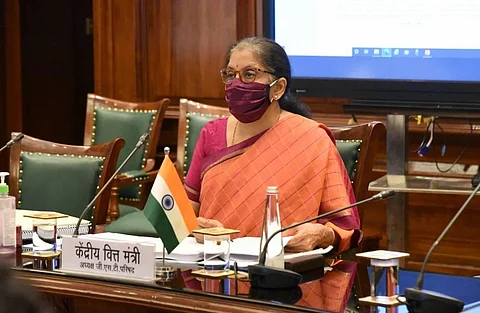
{"points": [[244, 251], [188, 250]]}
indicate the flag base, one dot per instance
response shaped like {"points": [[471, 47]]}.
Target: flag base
{"points": [[166, 273]]}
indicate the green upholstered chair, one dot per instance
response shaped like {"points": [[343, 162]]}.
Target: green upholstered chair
{"points": [[193, 117], [47, 176], [358, 146], [109, 118]]}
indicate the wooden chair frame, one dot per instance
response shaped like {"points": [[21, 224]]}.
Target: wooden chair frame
{"points": [[109, 151], [159, 107], [370, 135], [188, 107]]}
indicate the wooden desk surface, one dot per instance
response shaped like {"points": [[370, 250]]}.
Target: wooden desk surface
{"points": [[77, 294]]}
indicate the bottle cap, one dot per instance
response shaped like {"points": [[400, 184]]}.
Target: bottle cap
{"points": [[3, 185], [272, 189]]}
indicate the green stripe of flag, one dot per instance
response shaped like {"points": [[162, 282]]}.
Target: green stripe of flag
{"points": [[155, 213]]}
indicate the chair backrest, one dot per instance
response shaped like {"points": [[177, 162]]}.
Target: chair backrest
{"points": [[358, 145], [107, 119], [47, 176], [193, 117]]}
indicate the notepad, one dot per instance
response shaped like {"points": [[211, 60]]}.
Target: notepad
{"points": [[65, 225]]}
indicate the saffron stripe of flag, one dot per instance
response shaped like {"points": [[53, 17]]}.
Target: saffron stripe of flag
{"points": [[168, 208]]}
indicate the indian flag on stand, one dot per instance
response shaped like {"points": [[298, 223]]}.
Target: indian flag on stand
{"points": [[168, 208]]}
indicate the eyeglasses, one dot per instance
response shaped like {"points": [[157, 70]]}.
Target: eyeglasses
{"points": [[247, 74]]}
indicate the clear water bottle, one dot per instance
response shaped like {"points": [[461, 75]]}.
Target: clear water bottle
{"points": [[272, 223], [7, 218]]}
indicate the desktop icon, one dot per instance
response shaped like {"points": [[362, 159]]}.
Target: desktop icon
{"points": [[406, 52], [386, 52], [376, 51], [416, 52], [396, 52], [427, 52], [365, 51], [356, 51]]}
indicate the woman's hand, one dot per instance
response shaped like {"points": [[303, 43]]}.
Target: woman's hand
{"points": [[307, 237], [205, 223]]}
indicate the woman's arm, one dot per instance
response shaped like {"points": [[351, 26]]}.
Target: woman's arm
{"points": [[310, 236], [340, 230]]}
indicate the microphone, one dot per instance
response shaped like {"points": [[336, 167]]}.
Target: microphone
{"points": [[420, 301], [141, 141], [12, 141], [262, 276]]}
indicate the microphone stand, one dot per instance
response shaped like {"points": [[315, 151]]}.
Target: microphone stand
{"points": [[12, 141], [427, 301], [142, 140], [276, 278]]}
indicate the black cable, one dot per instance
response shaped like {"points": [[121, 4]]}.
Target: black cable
{"points": [[444, 143], [424, 138]]}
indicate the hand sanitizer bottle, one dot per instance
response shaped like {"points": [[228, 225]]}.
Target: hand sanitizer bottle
{"points": [[7, 218], [272, 223]]}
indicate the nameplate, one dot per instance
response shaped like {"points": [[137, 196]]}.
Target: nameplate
{"points": [[109, 257]]}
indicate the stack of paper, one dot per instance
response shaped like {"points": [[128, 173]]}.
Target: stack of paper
{"points": [[244, 251]]}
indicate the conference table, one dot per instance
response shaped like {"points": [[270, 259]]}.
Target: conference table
{"points": [[322, 291], [331, 290]]}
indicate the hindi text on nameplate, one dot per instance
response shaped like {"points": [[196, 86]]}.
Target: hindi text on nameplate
{"points": [[109, 257]]}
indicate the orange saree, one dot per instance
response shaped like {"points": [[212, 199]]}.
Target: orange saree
{"points": [[299, 156]]}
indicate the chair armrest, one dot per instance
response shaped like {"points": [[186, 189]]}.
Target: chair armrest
{"points": [[134, 178], [149, 165], [129, 178]]}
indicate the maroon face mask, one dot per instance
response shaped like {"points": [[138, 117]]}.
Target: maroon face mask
{"points": [[247, 102]]}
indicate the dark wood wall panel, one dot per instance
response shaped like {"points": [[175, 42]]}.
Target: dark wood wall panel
{"points": [[201, 36], [3, 105], [56, 66], [248, 11], [159, 49], [10, 74], [13, 75], [125, 27], [103, 48], [47, 57]]}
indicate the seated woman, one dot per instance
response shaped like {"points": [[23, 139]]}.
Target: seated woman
{"points": [[270, 140]]}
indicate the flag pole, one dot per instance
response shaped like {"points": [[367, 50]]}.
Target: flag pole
{"points": [[166, 152], [165, 273]]}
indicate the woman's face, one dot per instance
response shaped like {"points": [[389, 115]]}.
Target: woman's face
{"points": [[243, 59]]}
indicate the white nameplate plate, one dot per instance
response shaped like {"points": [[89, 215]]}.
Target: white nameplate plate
{"points": [[109, 257]]}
